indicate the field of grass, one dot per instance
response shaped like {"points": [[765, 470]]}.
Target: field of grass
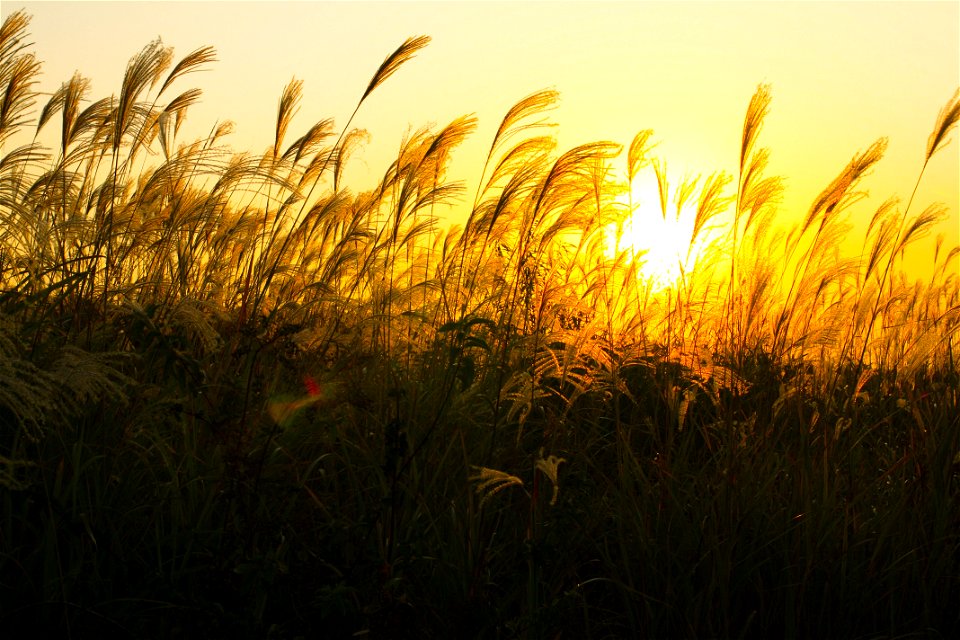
{"points": [[239, 400]]}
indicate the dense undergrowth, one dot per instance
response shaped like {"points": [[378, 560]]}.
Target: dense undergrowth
{"points": [[238, 400]]}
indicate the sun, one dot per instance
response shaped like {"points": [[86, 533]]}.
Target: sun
{"points": [[660, 242]]}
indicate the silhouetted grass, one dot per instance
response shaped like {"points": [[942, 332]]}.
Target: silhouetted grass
{"points": [[238, 399]]}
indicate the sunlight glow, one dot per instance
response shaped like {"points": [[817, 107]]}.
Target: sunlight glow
{"points": [[660, 243]]}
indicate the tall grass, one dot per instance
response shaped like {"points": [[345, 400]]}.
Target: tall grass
{"points": [[238, 398]]}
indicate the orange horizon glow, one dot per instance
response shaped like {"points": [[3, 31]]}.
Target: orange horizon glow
{"points": [[842, 76]]}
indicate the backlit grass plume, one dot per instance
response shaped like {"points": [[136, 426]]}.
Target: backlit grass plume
{"points": [[238, 398]]}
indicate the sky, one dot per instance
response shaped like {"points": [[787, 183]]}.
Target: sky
{"points": [[841, 75]]}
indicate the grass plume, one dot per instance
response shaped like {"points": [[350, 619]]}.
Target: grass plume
{"points": [[239, 399]]}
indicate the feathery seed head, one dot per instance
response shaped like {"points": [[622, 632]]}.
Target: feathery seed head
{"points": [[946, 120]]}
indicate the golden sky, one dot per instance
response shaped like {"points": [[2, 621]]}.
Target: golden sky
{"points": [[841, 75]]}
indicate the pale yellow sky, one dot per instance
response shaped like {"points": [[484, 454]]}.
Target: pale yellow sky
{"points": [[842, 75]]}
